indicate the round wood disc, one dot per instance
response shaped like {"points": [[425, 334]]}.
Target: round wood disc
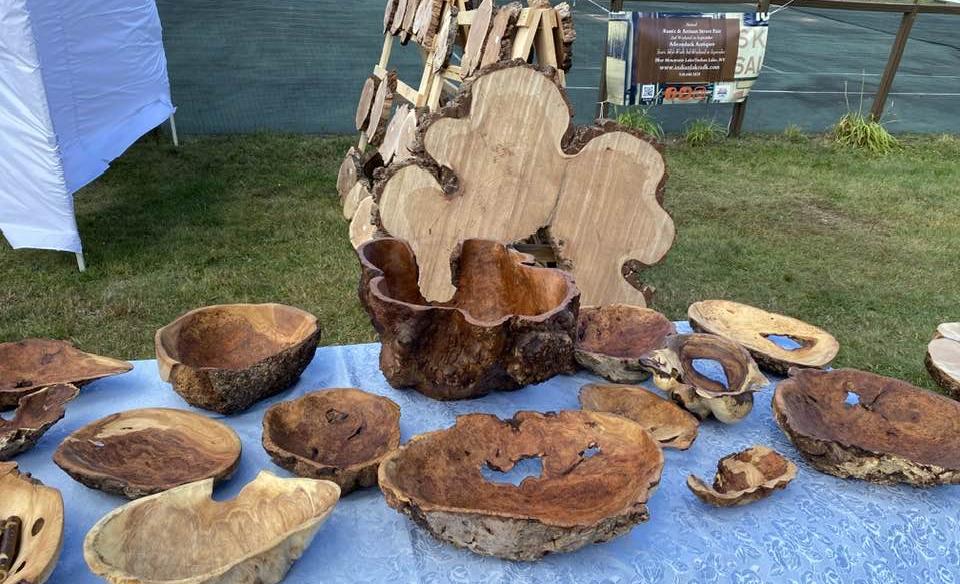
{"points": [[388, 13], [394, 133], [380, 111], [473, 50], [943, 358], [362, 228], [349, 174], [444, 40], [367, 94], [427, 21], [146, 451]]}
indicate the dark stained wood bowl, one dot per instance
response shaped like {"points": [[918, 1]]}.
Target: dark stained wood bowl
{"points": [[744, 477], [146, 451], [226, 357], [32, 364], [40, 510], [855, 424], [36, 414], [598, 470], [613, 339], [340, 435], [668, 423]]}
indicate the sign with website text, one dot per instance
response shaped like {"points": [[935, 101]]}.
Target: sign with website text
{"points": [[669, 57]]}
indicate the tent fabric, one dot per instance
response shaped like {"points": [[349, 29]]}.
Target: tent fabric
{"points": [[80, 81]]}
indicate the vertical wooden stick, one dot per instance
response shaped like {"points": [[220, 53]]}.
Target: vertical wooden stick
{"points": [[893, 63], [736, 119]]}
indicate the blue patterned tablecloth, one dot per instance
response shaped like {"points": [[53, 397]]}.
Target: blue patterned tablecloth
{"points": [[821, 529]]}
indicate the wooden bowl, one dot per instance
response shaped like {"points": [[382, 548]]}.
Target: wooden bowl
{"points": [[744, 477], [855, 424], [226, 357], [183, 536], [339, 435], [943, 358], [142, 452], [612, 340], [32, 364], [508, 324], [598, 472], [40, 510], [36, 414], [668, 423]]}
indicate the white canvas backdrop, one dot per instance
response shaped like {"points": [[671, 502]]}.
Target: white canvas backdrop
{"points": [[80, 81]]}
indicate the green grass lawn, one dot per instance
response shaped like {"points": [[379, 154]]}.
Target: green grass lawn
{"points": [[867, 247]]}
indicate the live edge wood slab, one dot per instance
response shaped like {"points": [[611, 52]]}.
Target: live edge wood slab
{"points": [[855, 424], [36, 414], [598, 471], [508, 325], [146, 451], [183, 536], [339, 435], [226, 357], [40, 510]]}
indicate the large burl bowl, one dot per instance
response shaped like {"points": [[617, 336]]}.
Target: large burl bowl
{"points": [[182, 536], [226, 357], [509, 324], [40, 510], [612, 340], [598, 471]]}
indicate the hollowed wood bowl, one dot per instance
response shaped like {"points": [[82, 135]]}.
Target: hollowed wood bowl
{"points": [[612, 340], [36, 414], [40, 510]]}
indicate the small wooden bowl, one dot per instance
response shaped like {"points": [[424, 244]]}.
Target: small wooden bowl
{"points": [[183, 536], [36, 414], [226, 357], [611, 340], [40, 510], [668, 423], [142, 452], [745, 477], [340, 435], [32, 364]]}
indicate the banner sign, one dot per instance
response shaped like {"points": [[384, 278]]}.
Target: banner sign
{"points": [[670, 57]]}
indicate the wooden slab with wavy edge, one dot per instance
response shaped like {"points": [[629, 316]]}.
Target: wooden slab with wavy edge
{"points": [[668, 423], [613, 339], [598, 471], [340, 435], [508, 325], [855, 424], [517, 166], [943, 358], [754, 328], [380, 110], [397, 135], [145, 451], [32, 364], [365, 103], [362, 228], [184, 536], [744, 477], [225, 357], [674, 370], [499, 43], [477, 38], [40, 509], [36, 413]]}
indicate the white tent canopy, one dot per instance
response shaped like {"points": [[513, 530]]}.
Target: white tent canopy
{"points": [[80, 81]]}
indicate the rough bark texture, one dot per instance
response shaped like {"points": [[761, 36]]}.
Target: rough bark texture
{"points": [[40, 510], [674, 371], [436, 480], [367, 93], [565, 35], [340, 435], [182, 535], [745, 477], [752, 327], [32, 364], [427, 22], [388, 13], [406, 27], [499, 43], [146, 451], [668, 423], [895, 433], [508, 325], [226, 357], [613, 339], [445, 40], [943, 358], [36, 414]]}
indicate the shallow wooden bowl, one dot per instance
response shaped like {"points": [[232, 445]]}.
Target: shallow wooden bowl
{"points": [[183, 536], [668, 423], [226, 357], [36, 414], [612, 340], [339, 435], [32, 364], [40, 510], [598, 470], [142, 452], [744, 477]]}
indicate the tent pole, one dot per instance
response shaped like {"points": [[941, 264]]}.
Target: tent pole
{"points": [[81, 264], [173, 134]]}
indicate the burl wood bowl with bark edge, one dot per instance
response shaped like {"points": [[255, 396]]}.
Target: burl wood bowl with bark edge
{"points": [[744, 477], [612, 340], [668, 423], [40, 511], [37, 413]]}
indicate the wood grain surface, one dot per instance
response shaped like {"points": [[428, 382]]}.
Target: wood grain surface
{"points": [[36, 413], [744, 477], [668, 423], [40, 510]]}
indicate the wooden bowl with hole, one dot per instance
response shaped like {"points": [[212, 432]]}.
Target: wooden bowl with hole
{"points": [[183, 536], [340, 435], [612, 340], [37, 413], [226, 357], [668, 423], [40, 510], [32, 364], [598, 471], [744, 477], [141, 452]]}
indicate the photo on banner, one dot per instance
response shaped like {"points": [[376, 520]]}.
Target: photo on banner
{"points": [[694, 57]]}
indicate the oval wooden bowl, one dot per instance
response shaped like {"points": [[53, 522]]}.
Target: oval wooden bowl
{"points": [[612, 340], [146, 451], [579, 498], [744, 477], [226, 357], [36, 414], [182, 536], [40, 510], [855, 424], [339, 435], [668, 423], [32, 364]]}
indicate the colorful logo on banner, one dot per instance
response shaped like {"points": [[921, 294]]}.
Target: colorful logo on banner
{"points": [[695, 57]]}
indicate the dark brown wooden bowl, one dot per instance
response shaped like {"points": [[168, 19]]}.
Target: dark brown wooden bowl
{"points": [[340, 435], [40, 510], [226, 357], [612, 340], [36, 414]]}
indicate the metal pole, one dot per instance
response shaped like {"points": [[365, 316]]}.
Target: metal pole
{"points": [[173, 133], [893, 63]]}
